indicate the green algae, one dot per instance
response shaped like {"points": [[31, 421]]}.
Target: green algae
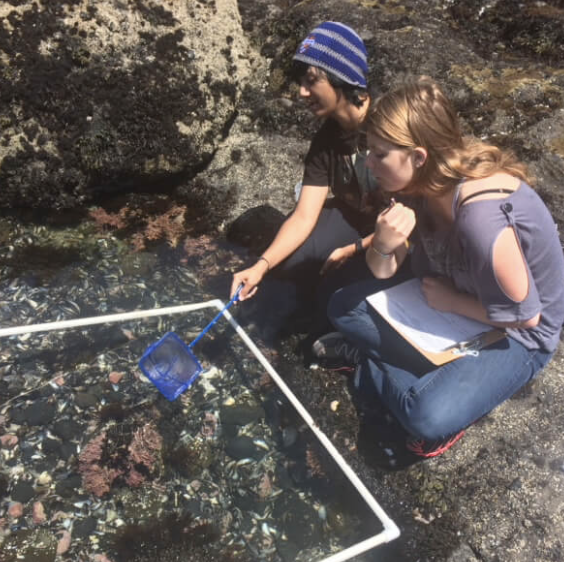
{"points": [[501, 84], [557, 145]]}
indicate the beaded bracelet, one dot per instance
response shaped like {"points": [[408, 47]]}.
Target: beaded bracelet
{"points": [[266, 261]]}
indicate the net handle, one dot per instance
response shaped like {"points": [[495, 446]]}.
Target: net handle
{"points": [[218, 316]]}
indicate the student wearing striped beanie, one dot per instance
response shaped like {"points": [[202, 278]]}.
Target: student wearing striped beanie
{"points": [[321, 245], [338, 50]]}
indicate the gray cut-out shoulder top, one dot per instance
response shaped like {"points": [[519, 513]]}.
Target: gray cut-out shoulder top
{"points": [[464, 253]]}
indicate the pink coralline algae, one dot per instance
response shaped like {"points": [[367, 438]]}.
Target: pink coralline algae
{"points": [[146, 446], [134, 478], [132, 460], [93, 451], [97, 479]]}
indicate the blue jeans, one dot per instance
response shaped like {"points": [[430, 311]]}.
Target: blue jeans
{"points": [[430, 402]]}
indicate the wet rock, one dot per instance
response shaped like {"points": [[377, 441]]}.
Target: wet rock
{"points": [[83, 528], [289, 436], [240, 415], [4, 483], [22, 492], [50, 447], [537, 32], [67, 450], [248, 503], [37, 413], [86, 400], [27, 451], [288, 551], [67, 429], [243, 447], [68, 486], [256, 228]]}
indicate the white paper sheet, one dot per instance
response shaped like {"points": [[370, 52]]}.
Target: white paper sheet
{"points": [[405, 308]]}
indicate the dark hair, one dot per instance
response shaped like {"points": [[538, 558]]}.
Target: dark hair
{"points": [[353, 94]]}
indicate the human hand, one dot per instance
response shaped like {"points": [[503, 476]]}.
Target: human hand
{"points": [[336, 259], [249, 278], [393, 227], [440, 293]]}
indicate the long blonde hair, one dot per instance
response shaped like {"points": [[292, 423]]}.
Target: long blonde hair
{"points": [[417, 113]]}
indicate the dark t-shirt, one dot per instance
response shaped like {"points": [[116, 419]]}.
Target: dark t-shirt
{"points": [[336, 159]]}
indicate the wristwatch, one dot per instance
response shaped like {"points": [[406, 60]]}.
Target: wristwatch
{"points": [[358, 248]]}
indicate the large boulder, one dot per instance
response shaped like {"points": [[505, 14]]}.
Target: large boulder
{"points": [[113, 95]]}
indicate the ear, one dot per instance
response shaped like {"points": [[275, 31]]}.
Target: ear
{"points": [[419, 156]]}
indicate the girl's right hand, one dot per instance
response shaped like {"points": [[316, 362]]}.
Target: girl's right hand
{"points": [[249, 278], [393, 227]]}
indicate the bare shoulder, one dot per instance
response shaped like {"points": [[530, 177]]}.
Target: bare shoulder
{"points": [[503, 182]]}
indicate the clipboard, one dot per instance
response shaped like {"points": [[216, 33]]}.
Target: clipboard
{"points": [[440, 337]]}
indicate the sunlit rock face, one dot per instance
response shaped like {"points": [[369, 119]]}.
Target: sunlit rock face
{"points": [[193, 98], [113, 94]]}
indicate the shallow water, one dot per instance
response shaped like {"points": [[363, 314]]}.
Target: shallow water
{"points": [[93, 454]]}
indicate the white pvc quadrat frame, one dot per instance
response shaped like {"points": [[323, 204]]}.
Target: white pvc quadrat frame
{"points": [[391, 530]]}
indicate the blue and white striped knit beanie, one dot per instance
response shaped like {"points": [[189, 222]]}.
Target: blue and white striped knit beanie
{"points": [[336, 48]]}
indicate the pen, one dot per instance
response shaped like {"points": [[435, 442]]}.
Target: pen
{"points": [[392, 203]]}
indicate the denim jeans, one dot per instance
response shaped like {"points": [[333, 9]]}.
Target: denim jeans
{"points": [[430, 402]]}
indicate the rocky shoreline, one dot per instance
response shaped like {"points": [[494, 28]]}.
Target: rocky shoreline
{"points": [[141, 109]]}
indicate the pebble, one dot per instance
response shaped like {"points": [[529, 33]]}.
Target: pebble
{"points": [[114, 377], [8, 441], [44, 479], [64, 542], [38, 513], [15, 509]]}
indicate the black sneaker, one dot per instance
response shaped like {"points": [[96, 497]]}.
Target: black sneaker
{"points": [[332, 351]]}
